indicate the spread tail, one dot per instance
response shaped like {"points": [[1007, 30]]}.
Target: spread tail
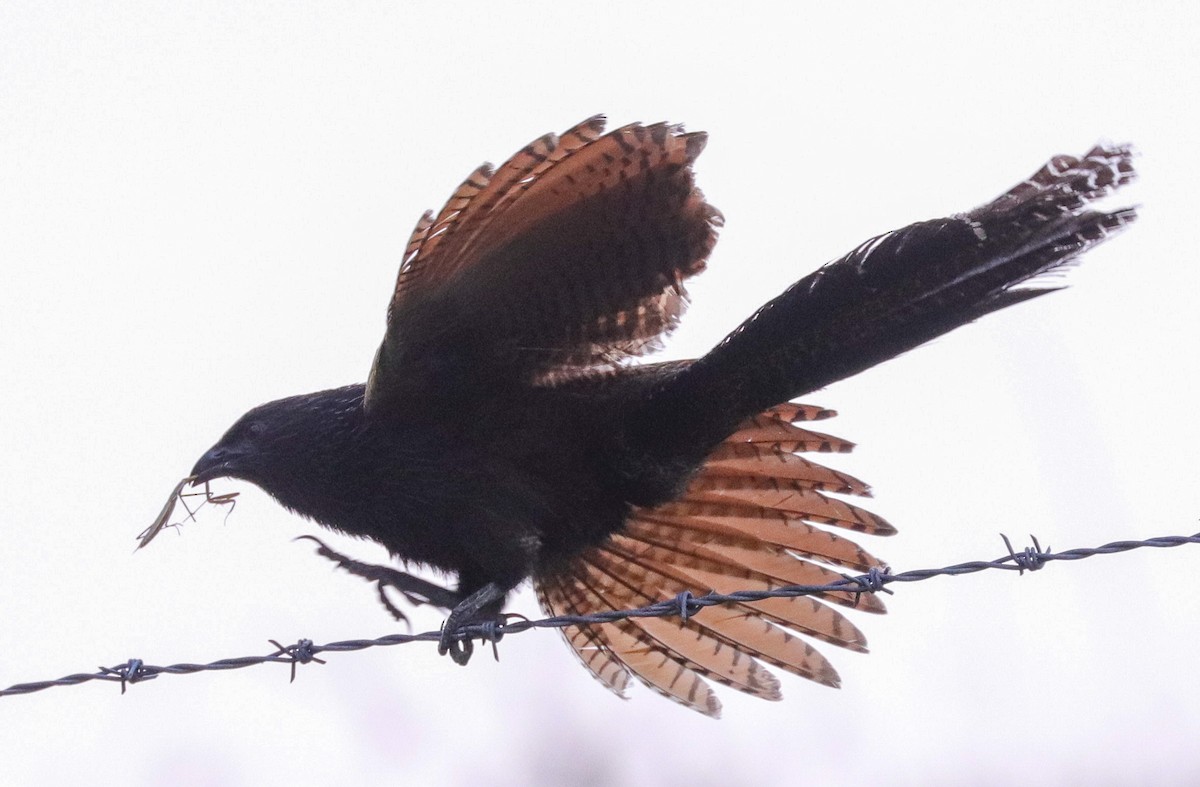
{"points": [[889, 295]]}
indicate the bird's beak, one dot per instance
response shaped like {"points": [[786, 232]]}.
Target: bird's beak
{"points": [[218, 461]]}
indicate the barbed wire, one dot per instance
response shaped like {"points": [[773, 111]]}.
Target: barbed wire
{"points": [[683, 606]]}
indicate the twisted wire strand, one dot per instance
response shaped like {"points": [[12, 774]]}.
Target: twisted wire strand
{"points": [[683, 605]]}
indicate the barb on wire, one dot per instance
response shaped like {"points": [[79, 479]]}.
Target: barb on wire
{"points": [[682, 606]]}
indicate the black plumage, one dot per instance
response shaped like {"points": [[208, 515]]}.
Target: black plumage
{"points": [[503, 434]]}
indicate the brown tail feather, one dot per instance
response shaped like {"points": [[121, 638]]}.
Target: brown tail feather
{"points": [[793, 412], [786, 436], [593, 653], [801, 537], [737, 631], [657, 667], [618, 580], [814, 618], [747, 460], [773, 494], [755, 565], [743, 523], [729, 507]]}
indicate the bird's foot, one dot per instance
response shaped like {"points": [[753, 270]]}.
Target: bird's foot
{"points": [[480, 607], [415, 590]]}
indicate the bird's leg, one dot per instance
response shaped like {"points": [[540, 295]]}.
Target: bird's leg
{"points": [[415, 590], [480, 605]]}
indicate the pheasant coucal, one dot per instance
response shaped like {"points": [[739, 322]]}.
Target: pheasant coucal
{"points": [[502, 433]]}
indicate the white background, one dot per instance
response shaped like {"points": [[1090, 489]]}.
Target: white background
{"points": [[202, 207]]}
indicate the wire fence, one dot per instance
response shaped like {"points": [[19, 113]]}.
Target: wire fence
{"points": [[683, 606]]}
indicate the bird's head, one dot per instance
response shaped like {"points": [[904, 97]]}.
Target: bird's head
{"points": [[241, 449], [275, 442], [285, 447]]}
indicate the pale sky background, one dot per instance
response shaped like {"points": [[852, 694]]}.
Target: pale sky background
{"points": [[203, 206]]}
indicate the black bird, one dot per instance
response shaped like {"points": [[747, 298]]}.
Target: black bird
{"points": [[503, 434]]}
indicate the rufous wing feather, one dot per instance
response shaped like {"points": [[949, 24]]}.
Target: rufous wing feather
{"points": [[568, 257]]}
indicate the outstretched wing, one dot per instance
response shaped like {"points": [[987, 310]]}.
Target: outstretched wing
{"points": [[750, 519], [569, 256]]}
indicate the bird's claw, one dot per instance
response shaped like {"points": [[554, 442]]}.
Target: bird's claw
{"points": [[460, 650], [482, 606]]}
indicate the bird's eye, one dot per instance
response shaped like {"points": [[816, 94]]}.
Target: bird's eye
{"points": [[256, 428]]}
